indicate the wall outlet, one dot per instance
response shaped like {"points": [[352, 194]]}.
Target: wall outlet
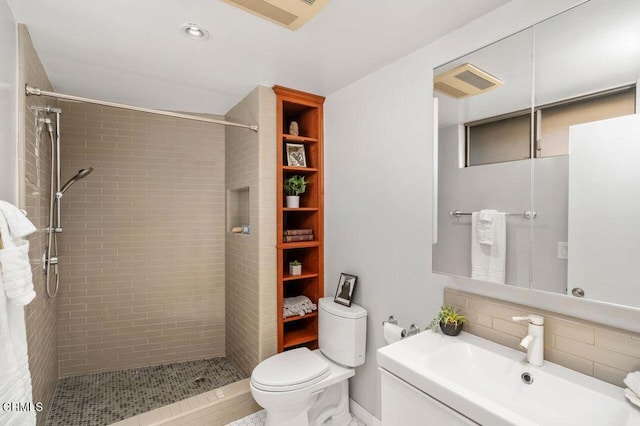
{"points": [[563, 250]]}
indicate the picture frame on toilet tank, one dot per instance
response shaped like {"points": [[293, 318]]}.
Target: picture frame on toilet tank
{"points": [[346, 286]]}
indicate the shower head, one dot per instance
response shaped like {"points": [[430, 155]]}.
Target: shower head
{"points": [[82, 173]]}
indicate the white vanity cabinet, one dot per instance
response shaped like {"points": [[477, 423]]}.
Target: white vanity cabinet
{"points": [[402, 404]]}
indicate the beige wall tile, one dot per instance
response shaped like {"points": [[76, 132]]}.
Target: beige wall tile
{"points": [[618, 342], [565, 328], [609, 374], [456, 299], [142, 244], [597, 354], [494, 335], [250, 261], [510, 327], [568, 360], [494, 308]]}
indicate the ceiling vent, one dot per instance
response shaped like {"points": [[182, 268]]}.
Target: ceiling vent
{"points": [[288, 13], [464, 81]]}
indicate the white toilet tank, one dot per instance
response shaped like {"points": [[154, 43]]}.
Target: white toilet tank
{"points": [[342, 332]]}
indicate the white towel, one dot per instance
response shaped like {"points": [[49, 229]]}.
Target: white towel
{"points": [[633, 382], [298, 305], [488, 262], [632, 397], [486, 226], [19, 225], [16, 274], [15, 269], [15, 379]]}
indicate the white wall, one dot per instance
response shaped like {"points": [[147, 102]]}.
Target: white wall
{"points": [[8, 105], [378, 182]]}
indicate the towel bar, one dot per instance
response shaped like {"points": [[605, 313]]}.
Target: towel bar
{"points": [[527, 214]]}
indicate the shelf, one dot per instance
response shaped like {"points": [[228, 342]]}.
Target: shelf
{"points": [[300, 209], [306, 109], [287, 277], [299, 139], [299, 244], [299, 337], [298, 317], [299, 169]]}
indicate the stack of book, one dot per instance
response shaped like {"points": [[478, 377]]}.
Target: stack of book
{"points": [[295, 235]]}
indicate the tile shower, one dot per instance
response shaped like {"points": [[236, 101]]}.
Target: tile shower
{"points": [[143, 253]]}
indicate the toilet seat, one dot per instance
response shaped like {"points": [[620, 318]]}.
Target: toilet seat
{"points": [[291, 370]]}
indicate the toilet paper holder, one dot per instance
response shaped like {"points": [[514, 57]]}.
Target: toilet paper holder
{"points": [[391, 320], [412, 328]]}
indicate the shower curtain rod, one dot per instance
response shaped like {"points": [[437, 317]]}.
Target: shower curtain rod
{"points": [[37, 92]]}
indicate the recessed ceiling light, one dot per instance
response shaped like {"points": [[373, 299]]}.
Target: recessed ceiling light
{"points": [[194, 31]]}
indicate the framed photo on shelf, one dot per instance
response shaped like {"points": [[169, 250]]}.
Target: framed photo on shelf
{"points": [[295, 155], [344, 292]]}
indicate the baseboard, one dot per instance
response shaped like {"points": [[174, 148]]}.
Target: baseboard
{"points": [[368, 418]]}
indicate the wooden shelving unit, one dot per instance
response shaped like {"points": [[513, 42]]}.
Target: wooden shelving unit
{"points": [[306, 110]]}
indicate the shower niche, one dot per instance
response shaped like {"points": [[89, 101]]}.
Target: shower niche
{"points": [[300, 230], [238, 213]]}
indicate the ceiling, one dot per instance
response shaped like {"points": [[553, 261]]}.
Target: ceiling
{"points": [[133, 51]]}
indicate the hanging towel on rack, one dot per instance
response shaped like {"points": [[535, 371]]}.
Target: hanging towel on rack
{"points": [[486, 225], [16, 290], [488, 261]]}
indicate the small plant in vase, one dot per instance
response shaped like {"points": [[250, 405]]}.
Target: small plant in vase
{"points": [[295, 268], [449, 321], [293, 187]]}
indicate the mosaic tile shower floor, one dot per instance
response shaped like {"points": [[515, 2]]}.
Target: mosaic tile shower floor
{"points": [[103, 398]]}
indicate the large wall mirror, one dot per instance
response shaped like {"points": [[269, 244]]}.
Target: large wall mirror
{"points": [[538, 157]]}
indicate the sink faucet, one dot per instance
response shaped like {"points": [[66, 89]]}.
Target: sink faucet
{"points": [[533, 343]]}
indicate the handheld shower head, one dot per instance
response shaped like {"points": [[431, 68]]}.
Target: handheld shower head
{"points": [[82, 173]]}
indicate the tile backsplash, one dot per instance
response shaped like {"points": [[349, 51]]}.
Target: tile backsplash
{"points": [[589, 348]]}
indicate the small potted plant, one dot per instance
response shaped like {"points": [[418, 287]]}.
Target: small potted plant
{"points": [[294, 186], [295, 268], [449, 320]]}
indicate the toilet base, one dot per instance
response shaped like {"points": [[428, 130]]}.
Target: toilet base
{"points": [[297, 416], [329, 407], [332, 406]]}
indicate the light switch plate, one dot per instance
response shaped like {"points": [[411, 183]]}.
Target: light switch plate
{"points": [[563, 250]]}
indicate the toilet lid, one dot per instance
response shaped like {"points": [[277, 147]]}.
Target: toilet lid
{"points": [[290, 370]]}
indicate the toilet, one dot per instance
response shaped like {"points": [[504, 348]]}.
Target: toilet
{"points": [[300, 387]]}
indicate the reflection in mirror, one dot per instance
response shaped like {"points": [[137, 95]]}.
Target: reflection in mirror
{"points": [[563, 146], [484, 151], [586, 236]]}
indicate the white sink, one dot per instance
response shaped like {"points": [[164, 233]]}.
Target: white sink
{"points": [[483, 381]]}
